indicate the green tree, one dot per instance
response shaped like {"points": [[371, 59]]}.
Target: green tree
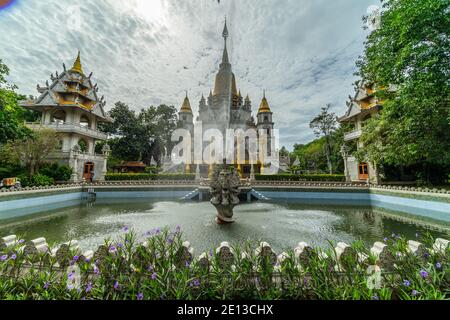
{"points": [[140, 136], [31, 152], [11, 115], [407, 56], [324, 125]]}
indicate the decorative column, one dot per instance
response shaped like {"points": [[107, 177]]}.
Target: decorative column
{"points": [[197, 173], [106, 150], [252, 173], [344, 152], [74, 152]]}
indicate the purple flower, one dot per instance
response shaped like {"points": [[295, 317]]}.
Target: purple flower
{"points": [[406, 283], [71, 275], [305, 281], [187, 264], [116, 285], [120, 245], [438, 265], [375, 297], [69, 287], [385, 239], [4, 257], [21, 241], [125, 229], [170, 241], [196, 283], [211, 253], [14, 256], [112, 249], [423, 273], [140, 296], [89, 287], [158, 230], [46, 285], [426, 255], [88, 260], [154, 275], [178, 229], [96, 270], [76, 258], [150, 268], [415, 292]]}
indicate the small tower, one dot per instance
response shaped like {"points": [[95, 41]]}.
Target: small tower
{"points": [[70, 105], [265, 124], [185, 116]]}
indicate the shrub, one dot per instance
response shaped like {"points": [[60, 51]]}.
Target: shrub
{"points": [[303, 177], [152, 170], [25, 181], [42, 180], [64, 173], [58, 173], [148, 176]]}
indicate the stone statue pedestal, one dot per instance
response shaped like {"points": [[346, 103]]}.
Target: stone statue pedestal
{"points": [[224, 189], [224, 214]]}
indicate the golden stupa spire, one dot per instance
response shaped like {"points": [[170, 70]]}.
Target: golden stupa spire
{"points": [[186, 107], [264, 107], [77, 67]]}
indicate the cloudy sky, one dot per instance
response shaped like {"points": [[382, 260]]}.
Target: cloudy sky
{"points": [[147, 52]]}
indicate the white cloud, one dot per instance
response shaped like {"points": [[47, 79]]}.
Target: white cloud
{"points": [[148, 52]]}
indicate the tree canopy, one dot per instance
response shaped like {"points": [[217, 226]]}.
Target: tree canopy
{"points": [[140, 136], [409, 54], [11, 115]]}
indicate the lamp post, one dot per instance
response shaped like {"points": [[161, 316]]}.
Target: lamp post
{"points": [[344, 152]]}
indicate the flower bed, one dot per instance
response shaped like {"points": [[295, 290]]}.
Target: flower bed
{"points": [[164, 267]]}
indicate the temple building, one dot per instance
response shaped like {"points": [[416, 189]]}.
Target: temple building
{"points": [[226, 108], [360, 108], [70, 105]]}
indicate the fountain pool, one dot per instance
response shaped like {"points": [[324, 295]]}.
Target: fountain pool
{"points": [[281, 223]]}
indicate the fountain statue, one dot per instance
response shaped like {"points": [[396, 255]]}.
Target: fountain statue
{"points": [[224, 189]]}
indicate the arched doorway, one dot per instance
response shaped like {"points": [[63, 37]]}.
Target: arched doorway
{"points": [[88, 171], [363, 171]]}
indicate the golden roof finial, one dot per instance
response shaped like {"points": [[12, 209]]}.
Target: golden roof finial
{"points": [[186, 107], [264, 107], [77, 67]]}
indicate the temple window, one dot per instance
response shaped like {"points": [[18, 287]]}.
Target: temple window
{"points": [[59, 117], [83, 145], [84, 122]]}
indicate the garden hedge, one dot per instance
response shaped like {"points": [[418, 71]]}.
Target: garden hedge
{"points": [[148, 176], [304, 177]]}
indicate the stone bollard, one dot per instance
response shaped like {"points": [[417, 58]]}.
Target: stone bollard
{"points": [[184, 255], [282, 259], [417, 248], [266, 254], [346, 255], [383, 254], [441, 245], [35, 247], [7, 242], [225, 255], [87, 256], [303, 253], [63, 253], [203, 261]]}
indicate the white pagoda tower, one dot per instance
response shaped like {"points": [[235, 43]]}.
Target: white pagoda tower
{"points": [[70, 105]]}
